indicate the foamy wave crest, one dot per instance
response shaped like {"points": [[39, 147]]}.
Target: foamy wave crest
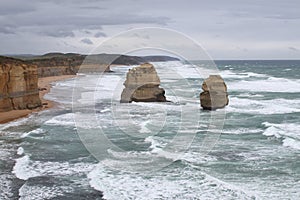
{"points": [[288, 131], [239, 131], [271, 84], [274, 106], [35, 132], [62, 120], [20, 151], [25, 168], [21, 169], [28, 192], [174, 185], [228, 74]]}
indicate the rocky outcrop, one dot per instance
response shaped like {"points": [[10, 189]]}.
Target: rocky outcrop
{"points": [[57, 66], [214, 93], [142, 85], [18, 85]]}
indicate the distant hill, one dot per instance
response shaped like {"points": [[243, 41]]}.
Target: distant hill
{"points": [[100, 58], [56, 64], [159, 58]]}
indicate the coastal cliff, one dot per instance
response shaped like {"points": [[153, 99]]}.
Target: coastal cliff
{"points": [[18, 85]]}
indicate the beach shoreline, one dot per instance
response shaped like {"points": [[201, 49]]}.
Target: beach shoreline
{"points": [[44, 85]]}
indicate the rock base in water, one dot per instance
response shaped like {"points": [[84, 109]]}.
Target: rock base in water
{"points": [[142, 85], [215, 93]]}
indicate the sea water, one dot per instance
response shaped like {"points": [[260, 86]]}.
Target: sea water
{"points": [[256, 156]]}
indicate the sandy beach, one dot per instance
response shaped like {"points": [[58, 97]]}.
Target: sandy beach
{"points": [[44, 85]]}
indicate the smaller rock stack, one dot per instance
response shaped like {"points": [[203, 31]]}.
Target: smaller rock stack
{"points": [[214, 93], [142, 85]]}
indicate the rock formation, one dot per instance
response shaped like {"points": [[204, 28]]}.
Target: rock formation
{"points": [[18, 85], [142, 85], [214, 93]]}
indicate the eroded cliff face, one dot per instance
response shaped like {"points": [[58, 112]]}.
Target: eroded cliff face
{"points": [[18, 85], [67, 65], [142, 85]]}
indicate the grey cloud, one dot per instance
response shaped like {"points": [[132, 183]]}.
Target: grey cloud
{"points": [[100, 34], [7, 30], [91, 8], [14, 7], [86, 31], [86, 41], [74, 20], [71, 1], [87, 21], [59, 33], [293, 49]]}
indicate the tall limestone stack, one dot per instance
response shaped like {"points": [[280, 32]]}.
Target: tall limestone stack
{"points": [[18, 85], [142, 85], [214, 93]]}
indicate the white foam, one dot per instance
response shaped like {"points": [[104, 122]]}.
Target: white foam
{"points": [[63, 120], [154, 143], [105, 110], [197, 158], [273, 106], [273, 131], [144, 128], [25, 168], [173, 185], [247, 94], [21, 171], [289, 142], [239, 131], [20, 151], [288, 131], [6, 186], [228, 74], [40, 192], [271, 84], [36, 131]]}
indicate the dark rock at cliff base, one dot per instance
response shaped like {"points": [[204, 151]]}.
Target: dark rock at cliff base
{"points": [[142, 85], [214, 93]]}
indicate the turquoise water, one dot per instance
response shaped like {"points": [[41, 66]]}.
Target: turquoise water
{"points": [[256, 156]]}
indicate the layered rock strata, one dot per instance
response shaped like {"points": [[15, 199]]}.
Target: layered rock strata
{"points": [[18, 85], [214, 93], [142, 85]]}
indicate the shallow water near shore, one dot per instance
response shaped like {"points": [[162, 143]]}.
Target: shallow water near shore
{"points": [[256, 156]]}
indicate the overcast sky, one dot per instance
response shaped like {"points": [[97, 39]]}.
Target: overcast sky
{"points": [[231, 29]]}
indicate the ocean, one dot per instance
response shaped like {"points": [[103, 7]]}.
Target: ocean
{"points": [[93, 147]]}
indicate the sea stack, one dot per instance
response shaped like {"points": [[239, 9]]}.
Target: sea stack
{"points": [[142, 85], [214, 93]]}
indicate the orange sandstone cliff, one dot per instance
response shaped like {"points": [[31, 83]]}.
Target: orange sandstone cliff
{"points": [[18, 85]]}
